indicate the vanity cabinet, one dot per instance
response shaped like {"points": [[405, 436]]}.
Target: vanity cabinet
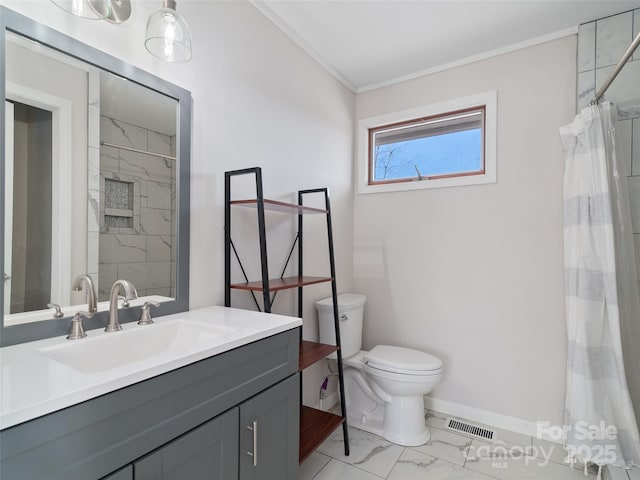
{"points": [[265, 427], [269, 425], [210, 452], [189, 423]]}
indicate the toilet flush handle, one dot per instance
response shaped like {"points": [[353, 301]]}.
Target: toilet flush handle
{"points": [[344, 317]]}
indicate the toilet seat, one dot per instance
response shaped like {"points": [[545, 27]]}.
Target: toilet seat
{"points": [[404, 361]]}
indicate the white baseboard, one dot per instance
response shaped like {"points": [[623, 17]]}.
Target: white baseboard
{"points": [[491, 419]]}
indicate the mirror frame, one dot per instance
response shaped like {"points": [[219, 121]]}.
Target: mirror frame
{"points": [[26, 27]]}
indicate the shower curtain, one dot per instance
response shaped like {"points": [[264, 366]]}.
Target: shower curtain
{"points": [[601, 294]]}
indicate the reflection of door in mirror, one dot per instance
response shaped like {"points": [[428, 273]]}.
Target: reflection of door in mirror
{"points": [[49, 95], [30, 215], [8, 201]]}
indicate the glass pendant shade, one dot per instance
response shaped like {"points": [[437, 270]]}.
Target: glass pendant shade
{"points": [[168, 36], [92, 9]]}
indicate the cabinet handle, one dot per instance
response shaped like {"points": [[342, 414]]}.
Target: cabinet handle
{"points": [[254, 454]]}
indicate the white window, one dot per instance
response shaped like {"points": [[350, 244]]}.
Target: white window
{"points": [[443, 145]]}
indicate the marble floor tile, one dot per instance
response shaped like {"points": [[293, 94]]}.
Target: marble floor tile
{"points": [[614, 473], [414, 465], [337, 470], [511, 463], [373, 458], [367, 452], [546, 449], [312, 465], [445, 445]]}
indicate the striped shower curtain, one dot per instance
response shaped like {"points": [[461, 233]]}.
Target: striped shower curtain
{"points": [[600, 423]]}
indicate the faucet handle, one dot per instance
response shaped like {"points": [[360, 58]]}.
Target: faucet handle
{"points": [[77, 331], [125, 301], [145, 315], [58, 313]]}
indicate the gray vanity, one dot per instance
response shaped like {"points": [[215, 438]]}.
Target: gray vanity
{"points": [[220, 411]]}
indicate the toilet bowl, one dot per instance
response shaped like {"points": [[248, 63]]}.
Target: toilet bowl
{"points": [[385, 386]]}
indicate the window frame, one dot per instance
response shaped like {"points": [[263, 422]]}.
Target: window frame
{"points": [[368, 126]]}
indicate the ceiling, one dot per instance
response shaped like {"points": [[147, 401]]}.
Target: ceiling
{"points": [[368, 43]]}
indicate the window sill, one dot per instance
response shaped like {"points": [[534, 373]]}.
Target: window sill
{"points": [[427, 184]]}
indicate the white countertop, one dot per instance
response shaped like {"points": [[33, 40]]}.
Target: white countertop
{"points": [[32, 385]]}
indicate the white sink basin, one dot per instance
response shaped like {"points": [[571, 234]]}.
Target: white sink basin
{"points": [[134, 344]]}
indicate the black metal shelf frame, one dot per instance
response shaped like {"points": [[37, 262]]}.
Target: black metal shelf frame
{"points": [[298, 240]]}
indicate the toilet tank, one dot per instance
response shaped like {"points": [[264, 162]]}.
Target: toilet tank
{"points": [[350, 313]]}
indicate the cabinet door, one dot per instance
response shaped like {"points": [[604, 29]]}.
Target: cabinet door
{"points": [[269, 433], [125, 474], [209, 452]]}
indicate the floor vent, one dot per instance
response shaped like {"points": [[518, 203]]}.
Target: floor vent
{"points": [[469, 429]]}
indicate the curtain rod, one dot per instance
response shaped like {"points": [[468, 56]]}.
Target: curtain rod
{"points": [[136, 150], [623, 60]]}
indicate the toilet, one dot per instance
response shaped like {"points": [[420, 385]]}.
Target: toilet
{"points": [[384, 387]]}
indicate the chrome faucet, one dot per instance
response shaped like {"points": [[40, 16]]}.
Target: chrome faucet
{"points": [[91, 291], [130, 293]]}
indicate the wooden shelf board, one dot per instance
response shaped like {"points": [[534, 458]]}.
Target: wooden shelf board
{"points": [[315, 427], [282, 283], [276, 206], [311, 352]]}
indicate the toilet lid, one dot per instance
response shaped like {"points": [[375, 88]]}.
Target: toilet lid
{"points": [[399, 359]]}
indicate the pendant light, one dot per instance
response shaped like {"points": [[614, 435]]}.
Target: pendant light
{"points": [[113, 11], [92, 9], [168, 36]]}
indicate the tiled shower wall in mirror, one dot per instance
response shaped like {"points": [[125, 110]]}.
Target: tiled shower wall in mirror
{"points": [[137, 209]]}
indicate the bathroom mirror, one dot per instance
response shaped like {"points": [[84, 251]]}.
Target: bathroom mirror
{"points": [[96, 181]]}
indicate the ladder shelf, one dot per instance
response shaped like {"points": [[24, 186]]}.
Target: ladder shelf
{"points": [[285, 283], [315, 425]]}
